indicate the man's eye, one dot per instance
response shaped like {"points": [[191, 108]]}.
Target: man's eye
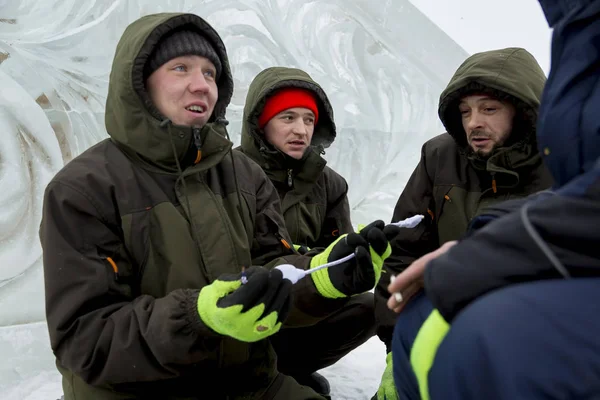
{"points": [[209, 73], [180, 68]]}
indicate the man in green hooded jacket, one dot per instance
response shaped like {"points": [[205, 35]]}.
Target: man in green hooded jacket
{"points": [[488, 155], [288, 122], [166, 258]]}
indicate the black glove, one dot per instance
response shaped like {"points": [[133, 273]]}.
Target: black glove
{"points": [[361, 273], [301, 249]]}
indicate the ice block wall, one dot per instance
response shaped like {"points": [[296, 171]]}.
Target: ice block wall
{"points": [[382, 63]]}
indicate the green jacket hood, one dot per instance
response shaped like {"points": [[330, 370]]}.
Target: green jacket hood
{"points": [[131, 119], [263, 85], [509, 74]]}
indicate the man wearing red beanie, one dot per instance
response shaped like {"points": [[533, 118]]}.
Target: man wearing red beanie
{"points": [[288, 122]]}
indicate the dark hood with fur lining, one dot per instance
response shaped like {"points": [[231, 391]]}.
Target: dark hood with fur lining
{"points": [[510, 74]]}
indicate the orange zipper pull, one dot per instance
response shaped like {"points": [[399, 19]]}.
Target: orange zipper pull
{"points": [[431, 214], [113, 265], [285, 244]]}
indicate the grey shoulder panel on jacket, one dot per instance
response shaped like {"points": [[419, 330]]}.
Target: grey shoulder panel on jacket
{"points": [[243, 160], [96, 169], [335, 183], [441, 143]]}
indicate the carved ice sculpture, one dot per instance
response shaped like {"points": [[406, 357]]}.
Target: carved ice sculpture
{"points": [[382, 63]]}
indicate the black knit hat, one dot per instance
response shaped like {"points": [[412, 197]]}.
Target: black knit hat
{"points": [[181, 43]]}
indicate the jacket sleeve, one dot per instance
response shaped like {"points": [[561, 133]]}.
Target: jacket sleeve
{"points": [[98, 329], [410, 244], [547, 238], [271, 247], [498, 210], [337, 218], [556, 10]]}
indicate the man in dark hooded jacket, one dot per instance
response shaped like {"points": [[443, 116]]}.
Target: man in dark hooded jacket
{"points": [[288, 122], [516, 300], [487, 156], [154, 239], [288, 146]]}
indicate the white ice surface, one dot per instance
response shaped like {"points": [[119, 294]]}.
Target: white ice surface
{"points": [[382, 63], [28, 372]]}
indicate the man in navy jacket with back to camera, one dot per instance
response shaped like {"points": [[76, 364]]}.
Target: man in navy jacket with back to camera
{"points": [[516, 300]]}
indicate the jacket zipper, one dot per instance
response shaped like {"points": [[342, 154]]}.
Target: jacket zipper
{"points": [[198, 143], [114, 267], [289, 181], [494, 186], [283, 241]]}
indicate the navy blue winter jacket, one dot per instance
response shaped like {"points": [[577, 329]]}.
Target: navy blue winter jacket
{"points": [[550, 235]]}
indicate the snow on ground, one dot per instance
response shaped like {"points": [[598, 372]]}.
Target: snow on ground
{"points": [[28, 368]]}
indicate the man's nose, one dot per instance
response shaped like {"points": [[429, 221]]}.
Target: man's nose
{"points": [[198, 82], [475, 121], [299, 127]]}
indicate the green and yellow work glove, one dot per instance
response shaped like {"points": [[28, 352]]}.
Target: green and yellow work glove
{"points": [[362, 272], [247, 312], [301, 248], [387, 388]]}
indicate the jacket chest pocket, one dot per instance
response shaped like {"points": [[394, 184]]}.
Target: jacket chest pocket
{"points": [[452, 213], [136, 229], [308, 223], [121, 275]]}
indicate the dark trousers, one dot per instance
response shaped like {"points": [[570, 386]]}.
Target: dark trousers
{"points": [[529, 341], [407, 327], [302, 351]]}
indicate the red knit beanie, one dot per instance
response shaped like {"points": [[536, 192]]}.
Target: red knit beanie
{"points": [[287, 98]]}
